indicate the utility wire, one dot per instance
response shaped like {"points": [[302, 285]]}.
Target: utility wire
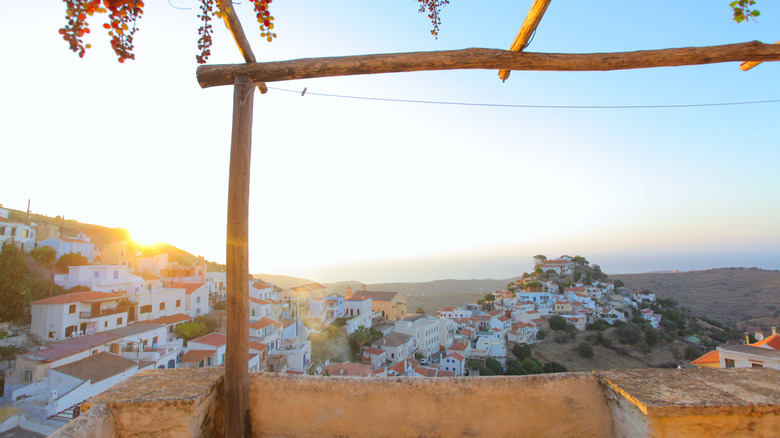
{"points": [[500, 105]]}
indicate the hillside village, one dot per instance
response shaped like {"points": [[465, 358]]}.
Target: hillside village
{"points": [[122, 311]]}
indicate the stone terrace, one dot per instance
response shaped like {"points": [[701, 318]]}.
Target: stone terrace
{"points": [[625, 403]]}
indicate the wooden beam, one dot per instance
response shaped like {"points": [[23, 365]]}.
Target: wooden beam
{"points": [[237, 350], [747, 65], [235, 28], [526, 30], [215, 75]]}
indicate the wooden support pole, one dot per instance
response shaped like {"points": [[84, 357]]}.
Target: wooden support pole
{"points": [[235, 28], [747, 65], [526, 30], [237, 351], [215, 75]]}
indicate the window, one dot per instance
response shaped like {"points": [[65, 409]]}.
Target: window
{"points": [[197, 300], [154, 341], [178, 303], [96, 274], [757, 365], [13, 231], [729, 363], [162, 306], [25, 233], [146, 309], [119, 321], [51, 334], [116, 275], [208, 361], [72, 308], [2, 231], [105, 324], [27, 376]]}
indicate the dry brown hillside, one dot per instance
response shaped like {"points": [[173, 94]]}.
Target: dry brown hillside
{"points": [[749, 297]]}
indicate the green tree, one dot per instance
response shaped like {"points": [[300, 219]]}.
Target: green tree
{"points": [[420, 310], [359, 338], [521, 351], [494, 366], [557, 323], [539, 260], [191, 330], [13, 284], [72, 259], [585, 350], [514, 368], [629, 333], [44, 255], [532, 366]]}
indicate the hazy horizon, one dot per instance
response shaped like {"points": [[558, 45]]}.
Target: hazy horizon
{"points": [[414, 270]]}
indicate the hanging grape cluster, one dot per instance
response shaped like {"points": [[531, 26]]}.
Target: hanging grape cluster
{"points": [[122, 18], [124, 14], [433, 8]]}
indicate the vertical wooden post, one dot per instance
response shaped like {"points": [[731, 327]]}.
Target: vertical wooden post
{"points": [[237, 351]]}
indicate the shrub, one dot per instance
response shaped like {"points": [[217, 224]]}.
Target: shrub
{"points": [[629, 333], [43, 255], [554, 367], [599, 325], [222, 305], [72, 259], [494, 366], [532, 366], [561, 338], [541, 335], [521, 351], [557, 323], [652, 337], [585, 350], [644, 347]]}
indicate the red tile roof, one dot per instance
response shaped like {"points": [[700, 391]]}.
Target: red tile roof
{"points": [[195, 356], [257, 346], [769, 342], [188, 287], [265, 322], [171, 319], [447, 309], [261, 285], [78, 297], [3, 219], [709, 357], [215, 339], [259, 301], [460, 346], [456, 356], [376, 351]]}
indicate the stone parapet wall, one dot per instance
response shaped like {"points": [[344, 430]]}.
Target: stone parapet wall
{"points": [[627, 403]]}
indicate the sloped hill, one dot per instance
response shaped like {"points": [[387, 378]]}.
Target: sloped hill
{"points": [[749, 297]]}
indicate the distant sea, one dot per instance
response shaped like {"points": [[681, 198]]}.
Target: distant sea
{"points": [[504, 267]]}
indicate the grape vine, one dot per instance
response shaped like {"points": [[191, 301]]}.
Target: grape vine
{"points": [[123, 16]]}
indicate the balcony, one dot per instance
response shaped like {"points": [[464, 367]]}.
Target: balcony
{"points": [[625, 403], [103, 312]]}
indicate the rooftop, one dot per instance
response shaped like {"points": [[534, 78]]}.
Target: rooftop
{"points": [[97, 367], [646, 402], [69, 347], [134, 329]]}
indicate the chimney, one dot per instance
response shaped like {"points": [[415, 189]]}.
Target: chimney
{"points": [[747, 338], [349, 292], [364, 288], [774, 330]]}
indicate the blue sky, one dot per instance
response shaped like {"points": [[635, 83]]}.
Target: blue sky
{"points": [[383, 191]]}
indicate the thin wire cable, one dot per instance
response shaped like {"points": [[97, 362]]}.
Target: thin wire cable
{"points": [[501, 105]]}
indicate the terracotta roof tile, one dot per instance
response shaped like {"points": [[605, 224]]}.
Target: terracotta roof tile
{"points": [[708, 357]]}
